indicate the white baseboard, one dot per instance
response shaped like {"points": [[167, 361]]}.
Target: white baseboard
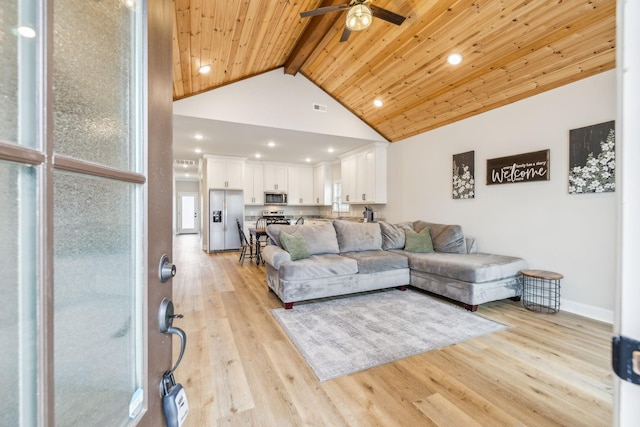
{"points": [[589, 311]]}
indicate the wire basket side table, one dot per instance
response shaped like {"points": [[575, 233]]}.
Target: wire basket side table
{"points": [[541, 290]]}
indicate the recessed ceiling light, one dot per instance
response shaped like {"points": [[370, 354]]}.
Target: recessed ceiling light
{"points": [[330, 150], [271, 144], [258, 155], [377, 102], [307, 160], [454, 58], [186, 175], [204, 69], [197, 150], [185, 166], [198, 136]]}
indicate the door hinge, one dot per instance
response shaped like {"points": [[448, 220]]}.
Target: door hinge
{"points": [[626, 358]]}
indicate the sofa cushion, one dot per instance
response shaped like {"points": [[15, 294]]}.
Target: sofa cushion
{"points": [[317, 267], [418, 242], [358, 236], [375, 261], [393, 234], [474, 268], [446, 238], [321, 238], [295, 245]]}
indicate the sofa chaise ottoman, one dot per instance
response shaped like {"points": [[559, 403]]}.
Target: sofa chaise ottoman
{"points": [[455, 269]]}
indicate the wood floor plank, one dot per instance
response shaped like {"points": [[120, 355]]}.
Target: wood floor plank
{"points": [[241, 369], [296, 384], [230, 382], [444, 412]]}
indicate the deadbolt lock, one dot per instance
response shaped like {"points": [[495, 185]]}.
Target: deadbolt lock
{"points": [[166, 270]]}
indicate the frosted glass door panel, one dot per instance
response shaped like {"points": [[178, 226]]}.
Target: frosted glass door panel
{"points": [[94, 95], [97, 299], [18, 288], [18, 37]]}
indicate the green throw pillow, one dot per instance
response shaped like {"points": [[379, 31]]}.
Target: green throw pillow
{"points": [[294, 244], [418, 242]]}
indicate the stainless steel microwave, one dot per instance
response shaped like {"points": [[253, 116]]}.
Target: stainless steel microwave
{"points": [[275, 198]]}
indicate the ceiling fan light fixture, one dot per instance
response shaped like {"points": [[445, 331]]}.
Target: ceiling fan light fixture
{"points": [[359, 17]]}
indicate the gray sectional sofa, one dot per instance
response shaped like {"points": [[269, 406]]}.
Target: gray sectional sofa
{"points": [[342, 257]]}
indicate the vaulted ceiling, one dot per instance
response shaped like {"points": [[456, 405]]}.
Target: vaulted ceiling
{"points": [[512, 49]]}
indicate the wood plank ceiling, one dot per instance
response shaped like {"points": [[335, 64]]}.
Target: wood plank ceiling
{"points": [[512, 49]]}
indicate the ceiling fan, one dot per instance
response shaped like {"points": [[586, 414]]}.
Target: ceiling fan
{"points": [[359, 16]]}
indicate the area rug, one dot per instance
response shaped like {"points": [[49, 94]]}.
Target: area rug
{"points": [[341, 336]]}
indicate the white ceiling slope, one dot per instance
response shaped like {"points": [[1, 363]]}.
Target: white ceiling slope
{"points": [[274, 99], [240, 119]]}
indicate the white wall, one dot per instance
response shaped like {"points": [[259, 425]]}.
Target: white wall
{"points": [[278, 100], [571, 234]]}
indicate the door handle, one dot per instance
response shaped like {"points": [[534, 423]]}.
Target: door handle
{"points": [[165, 323]]}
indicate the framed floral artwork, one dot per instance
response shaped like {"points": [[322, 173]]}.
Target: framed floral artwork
{"points": [[463, 175], [592, 159]]}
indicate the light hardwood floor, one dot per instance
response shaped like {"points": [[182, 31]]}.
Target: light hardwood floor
{"points": [[240, 369]]}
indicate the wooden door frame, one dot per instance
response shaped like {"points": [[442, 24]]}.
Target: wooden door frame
{"points": [[159, 217]]}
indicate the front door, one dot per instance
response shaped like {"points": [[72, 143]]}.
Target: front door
{"points": [[85, 114]]}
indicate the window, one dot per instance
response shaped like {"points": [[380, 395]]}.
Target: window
{"points": [[337, 206]]}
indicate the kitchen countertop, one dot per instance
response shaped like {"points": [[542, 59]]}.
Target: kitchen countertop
{"points": [[311, 218]]}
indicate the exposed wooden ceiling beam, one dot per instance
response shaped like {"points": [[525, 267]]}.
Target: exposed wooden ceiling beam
{"points": [[312, 36]]}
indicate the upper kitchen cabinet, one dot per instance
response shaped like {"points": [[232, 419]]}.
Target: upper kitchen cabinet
{"points": [[225, 172], [253, 184], [275, 177], [322, 184], [348, 178], [364, 174], [300, 188]]}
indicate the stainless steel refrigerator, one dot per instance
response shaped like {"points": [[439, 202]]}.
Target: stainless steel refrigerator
{"points": [[225, 206]]}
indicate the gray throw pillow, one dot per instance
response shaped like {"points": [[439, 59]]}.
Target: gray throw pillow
{"points": [[445, 237], [392, 236], [295, 245], [358, 236], [418, 242]]}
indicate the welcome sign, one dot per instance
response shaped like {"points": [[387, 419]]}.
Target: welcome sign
{"points": [[525, 167]]}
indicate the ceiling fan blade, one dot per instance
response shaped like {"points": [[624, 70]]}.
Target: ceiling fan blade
{"points": [[345, 35], [323, 10], [386, 15]]}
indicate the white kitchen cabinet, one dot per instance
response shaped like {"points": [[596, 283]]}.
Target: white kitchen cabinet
{"points": [[322, 184], [364, 175], [348, 178], [275, 177], [300, 187], [225, 172], [253, 183]]}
